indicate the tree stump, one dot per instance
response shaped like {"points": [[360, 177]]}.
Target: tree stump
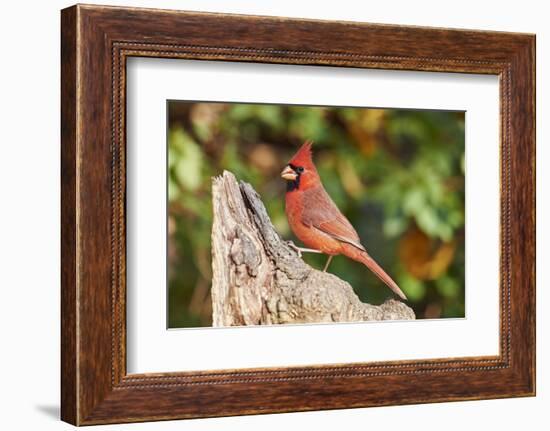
{"points": [[259, 279]]}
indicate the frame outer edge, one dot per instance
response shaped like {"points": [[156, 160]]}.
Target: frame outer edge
{"points": [[533, 56], [69, 303], [523, 216], [532, 82], [526, 64]]}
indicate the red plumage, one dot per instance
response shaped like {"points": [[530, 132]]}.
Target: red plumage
{"points": [[316, 220]]}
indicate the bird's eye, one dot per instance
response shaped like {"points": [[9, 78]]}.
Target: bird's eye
{"points": [[299, 169]]}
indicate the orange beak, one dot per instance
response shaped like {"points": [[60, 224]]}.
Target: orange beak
{"points": [[288, 174]]}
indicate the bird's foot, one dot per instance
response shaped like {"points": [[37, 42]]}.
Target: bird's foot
{"points": [[295, 248], [301, 250]]}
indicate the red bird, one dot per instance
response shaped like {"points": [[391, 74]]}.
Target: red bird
{"points": [[316, 220]]}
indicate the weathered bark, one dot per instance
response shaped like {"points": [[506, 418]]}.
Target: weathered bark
{"points": [[259, 279]]}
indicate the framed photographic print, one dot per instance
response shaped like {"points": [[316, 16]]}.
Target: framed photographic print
{"points": [[331, 214]]}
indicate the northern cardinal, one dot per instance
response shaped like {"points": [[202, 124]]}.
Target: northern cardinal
{"points": [[316, 220]]}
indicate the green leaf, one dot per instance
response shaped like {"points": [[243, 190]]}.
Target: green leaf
{"points": [[448, 286], [414, 201], [189, 160], [412, 287], [395, 226]]}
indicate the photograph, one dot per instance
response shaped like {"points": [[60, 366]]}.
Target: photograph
{"points": [[290, 214]]}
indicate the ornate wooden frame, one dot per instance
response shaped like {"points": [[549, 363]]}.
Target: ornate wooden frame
{"points": [[95, 42]]}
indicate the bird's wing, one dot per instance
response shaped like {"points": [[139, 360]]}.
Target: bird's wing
{"points": [[320, 212]]}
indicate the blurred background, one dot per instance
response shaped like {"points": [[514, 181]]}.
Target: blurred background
{"points": [[398, 175]]}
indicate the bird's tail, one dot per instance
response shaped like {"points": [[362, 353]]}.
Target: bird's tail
{"points": [[370, 263]]}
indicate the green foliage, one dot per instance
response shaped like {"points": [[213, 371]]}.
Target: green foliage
{"points": [[398, 175]]}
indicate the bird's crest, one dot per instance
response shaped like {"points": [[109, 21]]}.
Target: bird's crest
{"points": [[303, 156]]}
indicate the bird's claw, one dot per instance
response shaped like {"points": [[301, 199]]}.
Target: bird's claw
{"points": [[295, 248]]}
